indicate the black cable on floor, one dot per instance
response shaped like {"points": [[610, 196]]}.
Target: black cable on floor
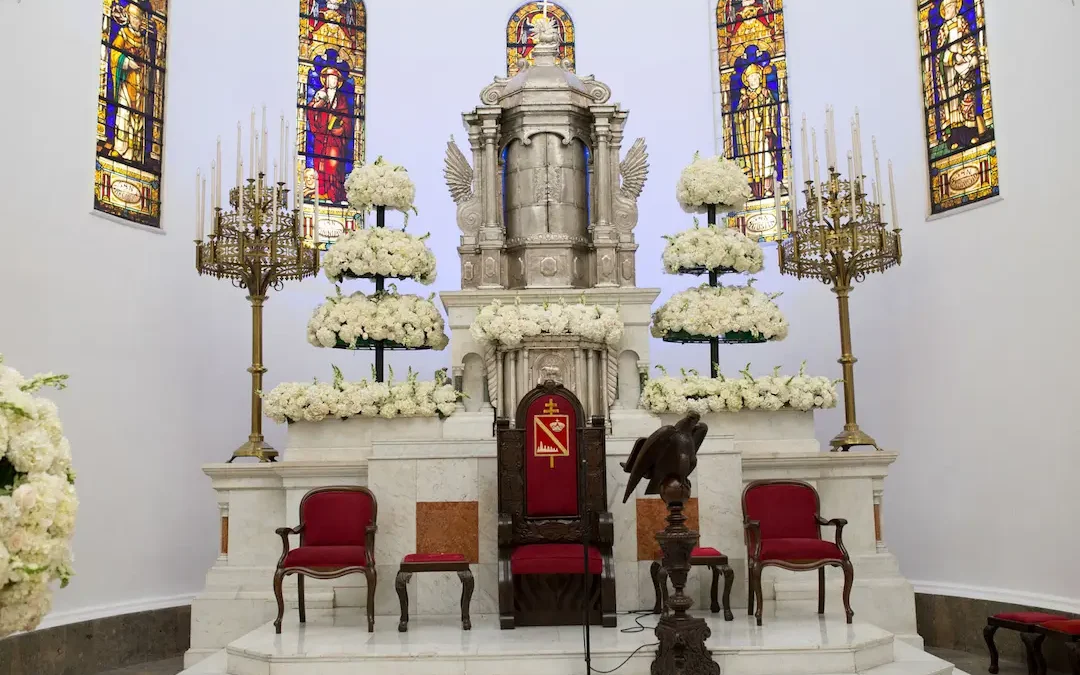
{"points": [[627, 660]]}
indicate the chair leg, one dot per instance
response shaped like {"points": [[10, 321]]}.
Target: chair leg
{"points": [[988, 636], [714, 590], [821, 590], [372, 581], [755, 583], [749, 589], [849, 579], [1074, 656], [401, 585], [300, 595], [654, 572], [279, 576], [1033, 650], [729, 581], [467, 583]]}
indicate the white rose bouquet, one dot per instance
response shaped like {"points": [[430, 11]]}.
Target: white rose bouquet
{"points": [[353, 321], [712, 248], [315, 401], [713, 180], [769, 392], [377, 250], [380, 184], [509, 325], [737, 313], [37, 500]]}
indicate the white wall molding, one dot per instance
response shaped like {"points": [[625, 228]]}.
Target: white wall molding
{"points": [[1038, 600], [115, 609]]}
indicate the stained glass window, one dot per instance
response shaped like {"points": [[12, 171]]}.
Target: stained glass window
{"points": [[754, 100], [521, 37], [131, 107], [962, 149], [330, 98]]}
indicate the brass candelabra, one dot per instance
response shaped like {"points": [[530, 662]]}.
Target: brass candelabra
{"points": [[839, 238], [257, 246]]}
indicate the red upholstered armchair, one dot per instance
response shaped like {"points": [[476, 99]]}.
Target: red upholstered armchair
{"points": [[546, 510], [337, 537], [783, 529]]}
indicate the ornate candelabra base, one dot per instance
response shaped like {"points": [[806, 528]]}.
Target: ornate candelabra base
{"points": [[682, 637], [850, 437], [256, 448]]}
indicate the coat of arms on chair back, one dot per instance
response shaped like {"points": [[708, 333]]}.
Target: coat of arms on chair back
{"points": [[546, 508]]}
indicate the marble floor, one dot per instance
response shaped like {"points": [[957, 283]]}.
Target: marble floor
{"points": [[166, 667]]}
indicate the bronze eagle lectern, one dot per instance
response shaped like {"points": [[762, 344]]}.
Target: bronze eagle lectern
{"points": [[666, 459]]}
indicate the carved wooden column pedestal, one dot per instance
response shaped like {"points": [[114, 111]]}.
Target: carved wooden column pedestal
{"points": [[682, 637]]}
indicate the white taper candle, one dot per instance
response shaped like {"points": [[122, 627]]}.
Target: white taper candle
{"points": [[805, 151], [892, 199], [878, 198], [265, 139], [239, 154], [198, 204], [315, 217], [852, 188], [240, 195], [251, 143], [777, 189]]}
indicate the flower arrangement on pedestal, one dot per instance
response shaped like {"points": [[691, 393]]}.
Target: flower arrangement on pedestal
{"points": [[393, 254], [393, 321], [37, 500], [316, 401], [713, 313], [508, 325], [702, 395], [381, 184]]}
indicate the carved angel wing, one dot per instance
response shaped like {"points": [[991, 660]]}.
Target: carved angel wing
{"points": [[458, 173], [634, 169]]}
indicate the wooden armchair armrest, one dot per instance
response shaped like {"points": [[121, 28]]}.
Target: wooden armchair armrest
{"points": [[752, 533], [506, 531], [605, 529], [839, 524], [284, 533]]}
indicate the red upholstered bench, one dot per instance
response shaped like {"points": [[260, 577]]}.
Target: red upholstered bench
{"points": [[707, 557], [1025, 623], [434, 562], [1069, 630]]}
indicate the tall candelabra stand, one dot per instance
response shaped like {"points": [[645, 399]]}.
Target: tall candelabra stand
{"points": [[257, 246], [839, 238]]}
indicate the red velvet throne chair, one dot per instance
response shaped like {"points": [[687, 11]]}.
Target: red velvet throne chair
{"points": [[543, 514], [337, 537], [783, 529]]}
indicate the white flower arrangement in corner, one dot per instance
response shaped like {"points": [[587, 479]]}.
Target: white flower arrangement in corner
{"points": [[315, 401], [712, 247], [37, 500], [351, 321], [706, 311], [378, 250], [381, 184], [714, 181], [509, 324], [767, 392]]}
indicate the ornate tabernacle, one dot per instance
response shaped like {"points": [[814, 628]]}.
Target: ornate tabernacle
{"points": [[547, 513]]}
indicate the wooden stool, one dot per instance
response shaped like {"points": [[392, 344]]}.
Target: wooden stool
{"points": [[708, 557], [1025, 623], [434, 562], [1068, 630]]}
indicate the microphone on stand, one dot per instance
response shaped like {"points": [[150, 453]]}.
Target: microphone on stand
{"points": [[586, 520]]}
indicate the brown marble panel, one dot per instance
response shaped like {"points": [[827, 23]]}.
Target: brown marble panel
{"points": [[651, 518], [448, 527]]}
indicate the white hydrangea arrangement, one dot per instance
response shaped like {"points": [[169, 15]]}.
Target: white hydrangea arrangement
{"points": [[691, 392], [712, 248], [381, 184], [352, 321], [316, 401], [390, 253], [718, 311], [37, 500], [509, 324], [712, 180]]}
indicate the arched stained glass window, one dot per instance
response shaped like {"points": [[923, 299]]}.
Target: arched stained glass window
{"points": [[961, 144], [520, 35], [131, 110], [330, 97], [754, 99]]}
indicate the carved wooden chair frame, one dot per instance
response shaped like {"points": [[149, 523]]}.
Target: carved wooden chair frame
{"points": [[368, 570], [752, 534], [517, 529]]}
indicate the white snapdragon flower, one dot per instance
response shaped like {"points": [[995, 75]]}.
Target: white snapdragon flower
{"points": [[707, 311], [713, 180]]}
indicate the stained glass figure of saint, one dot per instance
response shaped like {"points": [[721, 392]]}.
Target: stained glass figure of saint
{"points": [[521, 35], [753, 82], [959, 118], [330, 109], [131, 110]]}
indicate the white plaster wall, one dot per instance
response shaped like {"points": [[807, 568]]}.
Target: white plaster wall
{"points": [[158, 355]]}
